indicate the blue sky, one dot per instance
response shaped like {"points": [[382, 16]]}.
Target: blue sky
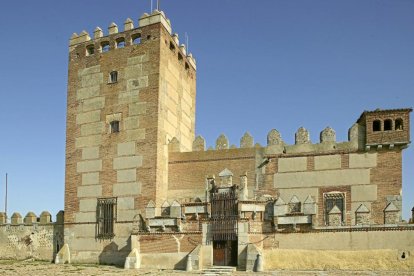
{"points": [[261, 65]]}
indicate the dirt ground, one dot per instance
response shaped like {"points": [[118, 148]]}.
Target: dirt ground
{"points": [[44, 268]]}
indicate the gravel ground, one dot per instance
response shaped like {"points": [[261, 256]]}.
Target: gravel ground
{"points": [[44, 268]]}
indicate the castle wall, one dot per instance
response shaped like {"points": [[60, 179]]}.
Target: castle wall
{"points": [[31, 237], [188, 170], [356, 250]]}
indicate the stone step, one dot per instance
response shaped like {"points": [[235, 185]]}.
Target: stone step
{"points": [[219, 270]]}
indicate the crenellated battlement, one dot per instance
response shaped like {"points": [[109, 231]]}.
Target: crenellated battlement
{"points": [[100, 42], [31, 218], [276, 145]]}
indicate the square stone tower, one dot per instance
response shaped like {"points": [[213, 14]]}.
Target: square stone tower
{"points": [[129, 94]]}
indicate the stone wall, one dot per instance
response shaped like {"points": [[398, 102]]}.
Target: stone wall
{"points": [[31, 237]]}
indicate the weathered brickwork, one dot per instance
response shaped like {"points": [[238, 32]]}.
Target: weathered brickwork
{"points": [[142, 190]]}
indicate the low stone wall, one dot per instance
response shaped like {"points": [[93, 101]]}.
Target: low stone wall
{"points": [[295, 259], [31, 237]]}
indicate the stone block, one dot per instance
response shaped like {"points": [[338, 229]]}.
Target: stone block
{"points": [[292, 164], [129, 97], [126, 175], [88, 117], [126, 149], [87, 205], [131, 123], [222, 142], [89, 166], [322, 178], [364, 193], [122, 189], [126, 215], [90, 191], [92, 128], [135, 134], [89, 70], [93, 103], [127, 162], [86, 93], [175, 210], [137, 59], [88, 141], [85, 217], [362, 160], [90, 153], [92, 80], [199, 144], [90, 178], [327, 162], [133, 71], [125, 203], [135, 84]]}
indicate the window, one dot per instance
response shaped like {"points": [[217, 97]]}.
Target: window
{"points": [[187, 66], [114, 126], [332, 199], [106, 217], [376, 125], [113, 77], [105, 47], [388, 124], [180, 57], [136, 39], [172, 47], [90, 50], [120, 43], [399, 124]]}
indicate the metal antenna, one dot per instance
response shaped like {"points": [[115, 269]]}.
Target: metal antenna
{"points": [[158, 4], [151, 5]]}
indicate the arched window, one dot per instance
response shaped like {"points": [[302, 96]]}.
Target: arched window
{"points": [[113, 77], [136, 39], [172, 47], [90, 50], [388, 124], [399, 124], [105, 47], [376, 125], [120, 43]]}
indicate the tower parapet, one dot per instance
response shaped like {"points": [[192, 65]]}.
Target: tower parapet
{"points": [[100, 42]]}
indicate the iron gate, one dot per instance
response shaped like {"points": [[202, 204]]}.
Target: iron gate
{"points": [[224, 214]]}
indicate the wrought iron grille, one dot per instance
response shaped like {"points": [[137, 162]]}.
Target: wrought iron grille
{"points": [[106, 217], [224, 215], [332, 199]]}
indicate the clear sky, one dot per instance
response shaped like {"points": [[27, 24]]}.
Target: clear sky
{"points": [[261, 65]]}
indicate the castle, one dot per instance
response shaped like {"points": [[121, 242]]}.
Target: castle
{"points": [[142, 191]]}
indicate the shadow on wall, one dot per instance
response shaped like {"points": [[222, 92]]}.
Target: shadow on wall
{"points": [[112, 255], [181, 265]]}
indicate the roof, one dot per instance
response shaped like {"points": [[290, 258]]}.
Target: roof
{"points": [[378, 110]]}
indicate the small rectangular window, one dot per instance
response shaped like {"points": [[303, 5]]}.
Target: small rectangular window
{"points": [[113, 77], [114, 126], [106, 217]]}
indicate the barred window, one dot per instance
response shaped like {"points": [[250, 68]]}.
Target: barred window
{"points": [[114, 126], [332, 199], [106, 217]]}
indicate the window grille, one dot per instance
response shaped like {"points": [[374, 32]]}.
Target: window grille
{"points": [[332, 199], [106, 217], [114, 126]]}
